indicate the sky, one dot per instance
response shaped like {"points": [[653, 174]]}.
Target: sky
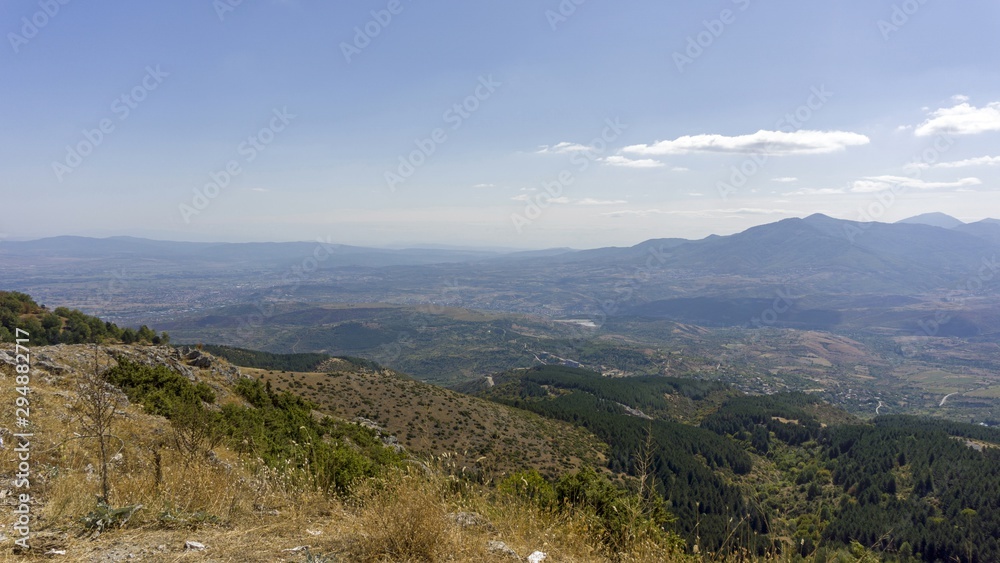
{"points": [[513, 123]]}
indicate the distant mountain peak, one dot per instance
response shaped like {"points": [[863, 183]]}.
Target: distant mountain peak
{"points": [[935, 220]]}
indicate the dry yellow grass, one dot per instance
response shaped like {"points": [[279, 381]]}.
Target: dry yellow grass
{"points": [[243, 511], [488, 437]]}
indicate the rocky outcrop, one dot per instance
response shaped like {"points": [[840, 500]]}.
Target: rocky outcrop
{"points": [[388, 440]]}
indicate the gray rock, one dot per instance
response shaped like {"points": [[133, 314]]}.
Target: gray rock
{"points": [[51, 367], [500, 548], [471, 520], [371, 424], [202, 362]]}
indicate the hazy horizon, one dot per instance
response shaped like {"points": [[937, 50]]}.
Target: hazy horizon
{"points": [[446, 245], [520, 125]]}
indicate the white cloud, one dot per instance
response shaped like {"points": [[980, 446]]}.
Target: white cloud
{"points": [[260, 190], [962, 119], [526, 197], [778, 143], [785, 180], [680, 169], [818, 191], [484, 186], [879, 183], [959, 98], [633, 213], [756, 211], [978, 161], [591, 201], [563, 148], [708, 213], [629, 163]]}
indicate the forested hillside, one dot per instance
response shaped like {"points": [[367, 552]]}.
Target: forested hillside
{"points": [[784, 473], [647, 459], [63, 325], [917, 486]]}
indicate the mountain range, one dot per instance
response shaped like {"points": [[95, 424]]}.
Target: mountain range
{"points": [[829, 264]]}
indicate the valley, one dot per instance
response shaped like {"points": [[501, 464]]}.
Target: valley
{"points": [[858, 314], [728, 399]]}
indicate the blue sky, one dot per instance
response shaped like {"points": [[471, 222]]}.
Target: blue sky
{"points": [[523, 124]]}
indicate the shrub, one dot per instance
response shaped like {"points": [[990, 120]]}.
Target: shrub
{"points": [[530, 485], [405, 521]]}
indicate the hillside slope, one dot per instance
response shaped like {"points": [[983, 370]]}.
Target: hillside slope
{"points": [[255, 495], [481, 435]]}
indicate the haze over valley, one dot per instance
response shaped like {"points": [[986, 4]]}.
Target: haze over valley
{"points": [[861, 313], [537, 281]]}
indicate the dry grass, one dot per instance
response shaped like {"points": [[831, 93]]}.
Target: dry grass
{"points": [[428, 420], [407, 519], [245, 512], [402, 521]]}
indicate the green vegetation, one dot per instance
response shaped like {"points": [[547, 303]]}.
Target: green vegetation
{"points": [[685, 459], [781, 475], [766, 475], [623, 517], [63, 326], [278, 428], [910, 488], [755, 419], [306, 362], [159, 389], [641, 392], [266, 360], [915, 485]]}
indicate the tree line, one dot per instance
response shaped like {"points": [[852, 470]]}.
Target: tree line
{"points": [[64, 325]]}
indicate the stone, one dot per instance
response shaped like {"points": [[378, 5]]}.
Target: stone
{"points": [[500, 548], [471, 520]]}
